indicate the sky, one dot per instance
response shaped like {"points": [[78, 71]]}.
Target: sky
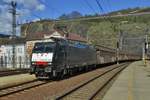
{"points": [[32, 10]]}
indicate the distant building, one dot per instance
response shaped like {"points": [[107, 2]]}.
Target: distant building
{"points": [[6, 54]]}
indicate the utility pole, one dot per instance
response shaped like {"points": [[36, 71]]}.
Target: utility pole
{"points": [[143, 52], [120, 40], [13, 12], [146, 44], [146, 48], [119, 45], [117, 53], [146, 41]]}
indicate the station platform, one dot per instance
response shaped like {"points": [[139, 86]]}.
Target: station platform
{"points": [[12, 80], [132, 84]]}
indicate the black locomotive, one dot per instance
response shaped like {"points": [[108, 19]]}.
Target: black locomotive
{"points": [[56, 57]]}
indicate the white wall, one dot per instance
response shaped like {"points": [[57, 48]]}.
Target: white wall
{"points": [[6, 56]]}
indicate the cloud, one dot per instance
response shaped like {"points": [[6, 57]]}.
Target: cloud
{"points": [[29, 4], [25, 8], [41, 7], [5, 20]]}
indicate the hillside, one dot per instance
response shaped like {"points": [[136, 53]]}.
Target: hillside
{"points": [[102, 31], [130, 11]]}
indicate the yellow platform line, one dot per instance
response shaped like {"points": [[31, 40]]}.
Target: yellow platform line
{"points": [[130, 85]]}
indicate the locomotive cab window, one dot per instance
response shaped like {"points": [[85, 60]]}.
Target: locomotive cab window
{"points": [[44, 47], [49, 47]]}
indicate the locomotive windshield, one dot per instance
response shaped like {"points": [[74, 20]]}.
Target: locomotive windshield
{"points": [[44, 47]]}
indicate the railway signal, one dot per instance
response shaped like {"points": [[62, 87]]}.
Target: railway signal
{"points": [[146, 47]]}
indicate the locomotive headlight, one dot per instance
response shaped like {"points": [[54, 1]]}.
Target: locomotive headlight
{"points": [[33, 63], [48, 69], [49, 63]]}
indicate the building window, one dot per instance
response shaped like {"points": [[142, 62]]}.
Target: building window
{"points": [[19, 50]]}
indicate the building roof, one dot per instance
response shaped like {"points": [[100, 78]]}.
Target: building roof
{"points": [[73, 36], [9, 41], [41, 35]]}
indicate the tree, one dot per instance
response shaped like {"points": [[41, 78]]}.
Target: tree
{"points": [[72, 15], [75, 14], [102, 34], [63, 16]]}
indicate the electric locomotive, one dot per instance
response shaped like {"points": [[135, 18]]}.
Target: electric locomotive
{"points": [[58, 56]]}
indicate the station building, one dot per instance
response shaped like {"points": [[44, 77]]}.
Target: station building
{"points": [[6, 53]]}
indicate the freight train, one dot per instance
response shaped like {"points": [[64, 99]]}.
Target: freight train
{"points": [[56, 57]]}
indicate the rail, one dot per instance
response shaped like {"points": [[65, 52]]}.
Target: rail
{"points": [[89, 89]]}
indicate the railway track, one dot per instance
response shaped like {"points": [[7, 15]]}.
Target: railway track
{"points": [[21, 87], [90, 88], [13, 72]]}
